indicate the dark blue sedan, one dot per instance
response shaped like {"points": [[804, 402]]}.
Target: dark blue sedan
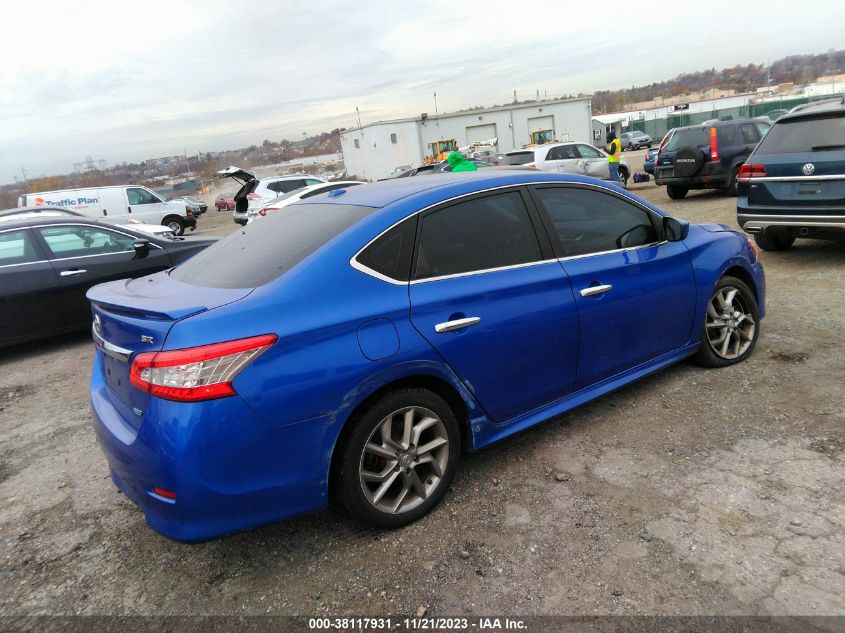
{"points": [[357, 344]]}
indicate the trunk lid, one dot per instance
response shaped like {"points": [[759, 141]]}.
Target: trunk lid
{"points": [[241, 175], [135, 316], [823, 186]]}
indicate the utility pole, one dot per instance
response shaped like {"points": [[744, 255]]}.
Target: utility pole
{"points": [[436, 113], [25, 179]]}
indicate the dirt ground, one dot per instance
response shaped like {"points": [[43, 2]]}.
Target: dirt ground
{"points": [[691, 492]]}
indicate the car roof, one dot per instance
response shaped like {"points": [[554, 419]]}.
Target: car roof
{"points": [[716, 124], [40, 209], [445, 184], [809, 110], [14, 222]]}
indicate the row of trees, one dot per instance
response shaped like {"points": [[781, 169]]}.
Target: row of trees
{"points": [[799, 69]]}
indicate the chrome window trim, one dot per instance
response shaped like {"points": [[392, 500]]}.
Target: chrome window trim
{"points": [[481, 272], [353, 261], [40, 261], [792, 178]]}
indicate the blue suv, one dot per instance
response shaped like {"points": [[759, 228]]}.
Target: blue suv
{"points": [[354, 346], [793, 184]]}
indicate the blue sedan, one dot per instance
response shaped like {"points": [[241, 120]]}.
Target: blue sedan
{"points": [[356, 345]]}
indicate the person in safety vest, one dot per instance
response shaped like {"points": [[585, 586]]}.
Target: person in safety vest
{"points": [[459, 163], [614, 155]]}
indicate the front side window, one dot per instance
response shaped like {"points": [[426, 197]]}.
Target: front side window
{"points": [[479, 234], [80, 241], [587, 221], [16, 247], [586, 151], [136, 195]]}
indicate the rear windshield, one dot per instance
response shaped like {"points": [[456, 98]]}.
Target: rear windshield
{"points": [[265, 250], [690, 137], [518, 158], [805, 135]]}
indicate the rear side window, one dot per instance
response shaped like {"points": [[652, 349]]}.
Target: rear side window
{"points": [[261, 252], [390, 254], [562, 152], [480, 234], [823, 133], [285, 186], [749, 133], [517, 158], [16, 247], [586, 221], [689, 137]]}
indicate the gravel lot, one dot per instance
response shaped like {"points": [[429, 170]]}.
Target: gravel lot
{"points": [[692, 492]]}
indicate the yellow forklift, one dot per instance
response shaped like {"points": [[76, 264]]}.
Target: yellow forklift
{"points": [[440, 150], [541, 137]]}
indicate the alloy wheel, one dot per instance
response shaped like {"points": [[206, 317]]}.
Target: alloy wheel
{"points": [[404, 459], [730, 325]]}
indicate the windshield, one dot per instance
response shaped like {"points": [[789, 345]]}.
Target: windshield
{"points": [[262, 252], [818, 134]]}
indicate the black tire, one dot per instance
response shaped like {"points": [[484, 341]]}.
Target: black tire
{"points": [[676, 193], [744, 301], [348, 482], [730, 189], [688, 162], [773, 241], [175, 223]]}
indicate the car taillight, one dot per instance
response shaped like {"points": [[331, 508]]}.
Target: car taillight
{"points": [[751, 170], [252, 196], [196, 373], [714, 145]]}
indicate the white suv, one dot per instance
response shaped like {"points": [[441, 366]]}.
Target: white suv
{"points": [[256, 192], [567, 158]]}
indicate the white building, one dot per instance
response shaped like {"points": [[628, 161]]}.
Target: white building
{"points": [[372, 151]]}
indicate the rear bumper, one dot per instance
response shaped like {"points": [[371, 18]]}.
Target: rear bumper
{"points": [[798, 220], [230, 471]]}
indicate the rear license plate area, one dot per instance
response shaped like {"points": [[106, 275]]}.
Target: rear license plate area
{"points": [[809, 189]]}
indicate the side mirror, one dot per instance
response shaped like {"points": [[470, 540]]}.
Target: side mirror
{"points": [[142, 248], [675, 230]]}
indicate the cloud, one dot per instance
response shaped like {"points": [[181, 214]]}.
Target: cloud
{"points": [[126, 82]]}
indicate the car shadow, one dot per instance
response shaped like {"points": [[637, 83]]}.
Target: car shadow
{"points": [[50, 345]]}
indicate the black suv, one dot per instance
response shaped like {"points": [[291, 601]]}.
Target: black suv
{"points": [[706, 156]]}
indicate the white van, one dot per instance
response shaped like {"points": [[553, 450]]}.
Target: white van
{"points": [[117, 204]]}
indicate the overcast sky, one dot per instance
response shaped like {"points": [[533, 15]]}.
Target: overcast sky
{"points": [[124, 81]]}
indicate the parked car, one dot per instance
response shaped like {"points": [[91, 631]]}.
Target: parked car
{"points": [[355, 346], [793, 183], [706, 156], [225, 202], [300, 194], [48, 261], [401, 168], [33, 211], [195, 204], [436, 168], [650, 156], [117, 203], [635, 140], [256, 192], [24, 213], [567, 158]]}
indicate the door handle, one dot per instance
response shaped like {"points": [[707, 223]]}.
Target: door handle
{"points": [[596, 290], [71, 273], [457, 324]]}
